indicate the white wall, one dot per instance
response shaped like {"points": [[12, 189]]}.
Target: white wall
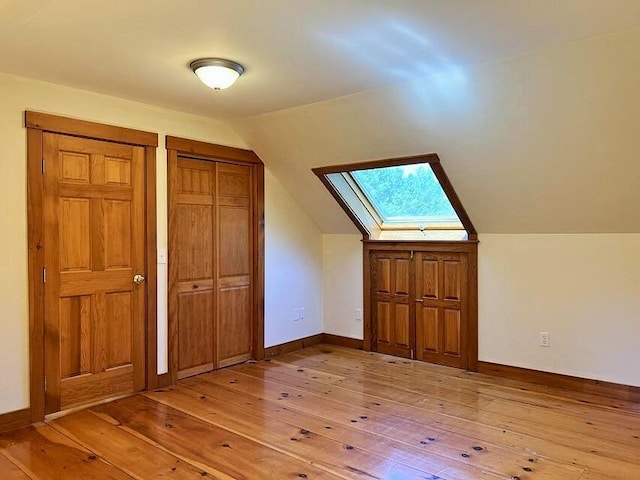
{"points": [[293, 268], [582, 289], [290, 234], [342, 279]]}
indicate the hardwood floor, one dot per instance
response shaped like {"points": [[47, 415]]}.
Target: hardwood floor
{"points": [[328, 412]]}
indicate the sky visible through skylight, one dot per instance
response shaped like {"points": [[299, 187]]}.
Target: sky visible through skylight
{"points": [[407, 192]]}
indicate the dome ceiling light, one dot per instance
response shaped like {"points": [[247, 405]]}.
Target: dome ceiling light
{"points": [[217, 73]]}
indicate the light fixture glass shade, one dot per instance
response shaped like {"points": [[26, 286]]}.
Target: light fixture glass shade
{"points": [[217, 73]]}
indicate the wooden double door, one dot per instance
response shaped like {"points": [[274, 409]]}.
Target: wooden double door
{"points": [[420, 305], [211, 264]]}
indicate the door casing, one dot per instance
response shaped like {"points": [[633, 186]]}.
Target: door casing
{"points": [[37, 124]]}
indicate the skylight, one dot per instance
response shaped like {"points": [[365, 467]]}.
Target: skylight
{"points": [[401, 199], [407, 194]]}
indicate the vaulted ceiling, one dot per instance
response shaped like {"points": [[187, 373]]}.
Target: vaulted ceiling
{"points": [[531, 104]]}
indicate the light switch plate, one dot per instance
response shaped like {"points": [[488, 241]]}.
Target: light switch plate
{"points": [[162, 256]]}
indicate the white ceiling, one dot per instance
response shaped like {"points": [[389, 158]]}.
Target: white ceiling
{"points": [[296, 51]]}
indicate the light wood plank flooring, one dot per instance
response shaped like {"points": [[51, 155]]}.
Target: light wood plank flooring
{"points": [[332, 413]]}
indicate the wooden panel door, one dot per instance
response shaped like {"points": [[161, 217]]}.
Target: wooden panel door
{"points": [[192, 260], [210, 265], [94, 237], [391, 303], [234, 326], [441, 316]]}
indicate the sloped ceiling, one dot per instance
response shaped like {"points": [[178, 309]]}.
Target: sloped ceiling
{"points": [[544, 143]]}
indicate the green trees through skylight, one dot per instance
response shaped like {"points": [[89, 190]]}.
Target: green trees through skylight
{"points": [[407, 192]]}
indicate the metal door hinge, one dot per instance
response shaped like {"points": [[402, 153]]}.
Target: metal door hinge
{"points": [[43, 165], [44, 275], [45, 384], [411, 255]]}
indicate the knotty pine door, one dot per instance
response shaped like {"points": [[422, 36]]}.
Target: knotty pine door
{"points": [[210, 262], [94, 236], [419, 305]]}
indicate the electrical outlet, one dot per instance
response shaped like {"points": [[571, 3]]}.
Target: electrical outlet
{"points": [[358, 314], [301, 312], [544, 339]]}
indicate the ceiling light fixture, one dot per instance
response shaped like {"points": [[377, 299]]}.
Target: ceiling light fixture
{"points": [[217, 73]]}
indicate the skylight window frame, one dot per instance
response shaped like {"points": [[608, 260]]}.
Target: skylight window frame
{"points": [[434, 162], [364, 198]]}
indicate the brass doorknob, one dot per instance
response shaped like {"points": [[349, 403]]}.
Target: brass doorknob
{"points": [[138, 279]]}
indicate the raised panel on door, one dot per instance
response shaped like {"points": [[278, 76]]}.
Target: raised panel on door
{"points": [[94, 237], [401, 276], [194, 242], [452, 283], [74, 216], [402, 326], [234, 325], [430, 283], [234, 237], [117, 248], [75, 336], [452, 332], [382, 311], [234, 241], [382, 278], [195, 332], [192, 264], [427, 328], [392, 315], [119, 329]]}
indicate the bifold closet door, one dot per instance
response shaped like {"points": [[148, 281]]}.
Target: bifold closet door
{"points": [[211, 264], [234, 233], [193, 257]]}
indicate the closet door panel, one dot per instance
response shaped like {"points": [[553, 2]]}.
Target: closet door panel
{"points": [[195, 240], [441, 314], [234, 240], [392, 279], [234, 323], [195, 335], [192, 265]]}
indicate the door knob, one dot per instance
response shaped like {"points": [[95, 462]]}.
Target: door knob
{"points": [[138, 278]]}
